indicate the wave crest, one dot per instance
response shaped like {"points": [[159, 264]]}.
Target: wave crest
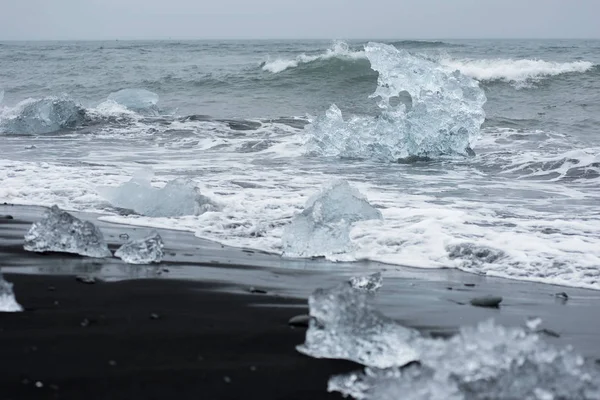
{"points": [[339, 49], [520, 73]]}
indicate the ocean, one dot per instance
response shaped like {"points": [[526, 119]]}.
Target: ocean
{"points": [[481, 155]]}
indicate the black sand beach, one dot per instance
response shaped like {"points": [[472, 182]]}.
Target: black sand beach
{"points": [[190, 328], [153, 340]]}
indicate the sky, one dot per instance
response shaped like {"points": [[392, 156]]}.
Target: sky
{"points": [[302, 19]]}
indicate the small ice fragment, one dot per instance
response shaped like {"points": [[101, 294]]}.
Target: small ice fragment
{"points": [[135, 99], [8, 303], [61, 232], [533, 323], [369, 283], [344, 325], [177, 198], [323, 228], [143, 251]]}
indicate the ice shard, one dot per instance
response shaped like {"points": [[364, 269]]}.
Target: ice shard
{"points": [[487, 361], [344, 325], [323, 228], [369, 283], [8, 303], [59, 231], [177, 198], [135, 99], [143, 251]]}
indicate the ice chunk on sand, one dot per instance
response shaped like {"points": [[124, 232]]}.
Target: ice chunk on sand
{"points": [[61, 232], [177, 198], [47, 115], [143, 251], [8, 303], [344, 325], [323, 228], [368, 283], [442, 114], [484, 362], [487, 361], [135, 99]]}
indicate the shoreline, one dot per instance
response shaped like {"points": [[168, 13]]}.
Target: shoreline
{"points": [[200, 272]]}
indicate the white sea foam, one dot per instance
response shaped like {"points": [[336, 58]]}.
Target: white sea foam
{"points": [[547, 231], [520, 72], [339, 49]]}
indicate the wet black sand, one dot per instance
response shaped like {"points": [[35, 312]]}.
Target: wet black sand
{"points": [[153, 339]]}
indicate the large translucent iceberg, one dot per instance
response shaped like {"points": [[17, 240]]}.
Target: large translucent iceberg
{"points": [[47, 115], [442, 116], [177, 198], [61, 232], [136, 99], [323, 228], [143, 251], [344, 325], [8, 303], [483, 362]]}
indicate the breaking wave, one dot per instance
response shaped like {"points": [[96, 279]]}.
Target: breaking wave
{"points": [[339, 50], [520, 73]]}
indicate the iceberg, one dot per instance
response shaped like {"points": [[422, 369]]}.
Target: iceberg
{"points": [[39, 116], [344, 325], [8, 303], [487, 361], [59, 231], [323, 228], [370, 283], [143, 251], [177, 198], [441, 114], [136, 99]]}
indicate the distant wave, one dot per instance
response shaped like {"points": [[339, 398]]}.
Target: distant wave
{"points": [[422, 43], [339, 50], [520, 73]]}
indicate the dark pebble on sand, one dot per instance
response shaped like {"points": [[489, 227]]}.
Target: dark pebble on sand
{"points": [[548, 332], [124, 236], [469, 284], [300, 320], [256, 291], [486, 301], [86, 279], [562, 296], [6, 217], [449, 288]]}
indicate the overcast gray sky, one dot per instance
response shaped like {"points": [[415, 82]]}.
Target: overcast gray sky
{"points": [[327, 19]]}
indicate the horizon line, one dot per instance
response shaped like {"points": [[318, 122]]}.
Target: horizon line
{"points": [[134, 39]]}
